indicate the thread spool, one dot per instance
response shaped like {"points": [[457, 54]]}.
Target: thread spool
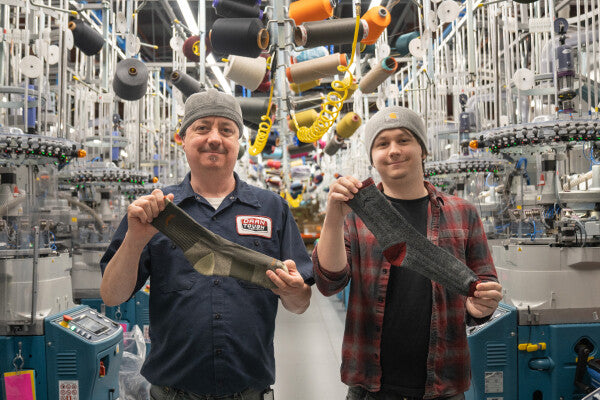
{"points": [[85, 38], [402, 42], [307, 102], [310, 10], [300, 151], [274, 164], [236, 9], [330, 32], [302, 87], [351, 86], [333, 145], [265, 85], [276, 154], [185, 83], [315, 69], [253, 108], [131, 79], [304, 118], [245, 71], [374, 78], [191, 48], [346, 127], [310, 54], [378, 19], [245, 37]]}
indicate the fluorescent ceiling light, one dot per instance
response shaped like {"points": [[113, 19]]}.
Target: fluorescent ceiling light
{"points": [[190, 21], [184, 6]]}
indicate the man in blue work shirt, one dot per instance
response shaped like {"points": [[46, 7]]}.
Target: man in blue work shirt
{"points": [[212, 336]]}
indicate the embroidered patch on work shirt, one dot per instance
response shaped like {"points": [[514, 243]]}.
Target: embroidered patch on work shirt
{"points": [[254, 225]]}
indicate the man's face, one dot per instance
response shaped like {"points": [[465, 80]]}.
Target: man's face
{"points": [[397, 154], [212, 143]]}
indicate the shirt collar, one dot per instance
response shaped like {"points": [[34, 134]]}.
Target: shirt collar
{"points": [[242, 192], [435, 197]]}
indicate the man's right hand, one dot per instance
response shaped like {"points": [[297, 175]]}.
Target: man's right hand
{"points": [[340, 191], [140, 214]]}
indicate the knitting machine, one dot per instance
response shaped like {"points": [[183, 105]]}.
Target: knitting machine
{"points": [[39, 346]]}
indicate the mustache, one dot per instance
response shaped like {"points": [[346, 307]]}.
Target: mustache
{"points": [[219, 150]]}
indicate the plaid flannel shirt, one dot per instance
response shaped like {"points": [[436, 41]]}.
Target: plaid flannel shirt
{"points": [[454, 225]]}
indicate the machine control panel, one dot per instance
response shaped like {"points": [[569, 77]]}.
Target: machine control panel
{"points": [[88, 324]]}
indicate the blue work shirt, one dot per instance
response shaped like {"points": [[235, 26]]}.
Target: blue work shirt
{"points": [[213, 334]]}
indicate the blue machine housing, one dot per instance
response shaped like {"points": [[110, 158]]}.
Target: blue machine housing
{"points": [[84, 352], [526, 362]]}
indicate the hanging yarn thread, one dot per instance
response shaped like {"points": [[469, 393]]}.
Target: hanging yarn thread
{"points": [[378, 19], [306, 102], [315, 69], [245, 37], [245, 71], [346, 127], [131, 79], [236, 9], [379, 73], [329, 32], [335, 99], [310, 10], [185, 83], [87, 39]]}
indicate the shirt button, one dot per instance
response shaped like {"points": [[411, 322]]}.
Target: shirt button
{"points": [[173, 246], [256, 242], [218, 352], [216, 282], [384, 271], [217, 316], [214, 218], [380, 299], [231, 198], [375, 356]]}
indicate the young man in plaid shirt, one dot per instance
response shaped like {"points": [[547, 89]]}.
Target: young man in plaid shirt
{"points": [[405, 335]]}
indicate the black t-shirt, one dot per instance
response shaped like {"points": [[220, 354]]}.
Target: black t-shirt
{"points": [[407, 318]]}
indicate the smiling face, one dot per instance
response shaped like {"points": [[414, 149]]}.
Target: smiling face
{"points": [[211, 143], [397, 155]]}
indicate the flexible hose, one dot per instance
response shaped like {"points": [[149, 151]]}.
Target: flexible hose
{"points": [[333, 101], [83, 207], [264, 128]]}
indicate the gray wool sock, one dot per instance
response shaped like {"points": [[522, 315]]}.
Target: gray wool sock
{"points": [[211, 254], [393, 232]]}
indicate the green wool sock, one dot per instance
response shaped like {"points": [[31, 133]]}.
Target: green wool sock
{"points": [[211, 254], [393, 232]]}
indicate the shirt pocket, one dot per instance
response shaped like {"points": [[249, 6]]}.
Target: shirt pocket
{"points": [[171, 271], [454, 241]]}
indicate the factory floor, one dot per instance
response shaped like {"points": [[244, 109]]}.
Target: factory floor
{"points": [[308, 351]]}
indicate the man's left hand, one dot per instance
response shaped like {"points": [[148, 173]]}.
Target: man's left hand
{"points": [[294, 293], [485, 299]]}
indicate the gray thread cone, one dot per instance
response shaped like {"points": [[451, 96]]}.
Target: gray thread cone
{"points": [[422, 256], [211, 254]]}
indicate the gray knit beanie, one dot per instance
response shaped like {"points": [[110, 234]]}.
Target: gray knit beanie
{"points": [[391, 118], [211, 103]]}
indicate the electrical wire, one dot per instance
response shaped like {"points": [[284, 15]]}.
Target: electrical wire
{"points": [[333, 101]]}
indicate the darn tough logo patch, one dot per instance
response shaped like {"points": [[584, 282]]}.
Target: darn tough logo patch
{"points": [[168, 219], [254, 225], [393, 116]]}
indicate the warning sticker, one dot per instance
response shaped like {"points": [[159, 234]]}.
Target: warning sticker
{"points": [[494, 382], [68, 390]]}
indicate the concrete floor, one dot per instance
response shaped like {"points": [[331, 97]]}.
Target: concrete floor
{"points": [[308, 351]]}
